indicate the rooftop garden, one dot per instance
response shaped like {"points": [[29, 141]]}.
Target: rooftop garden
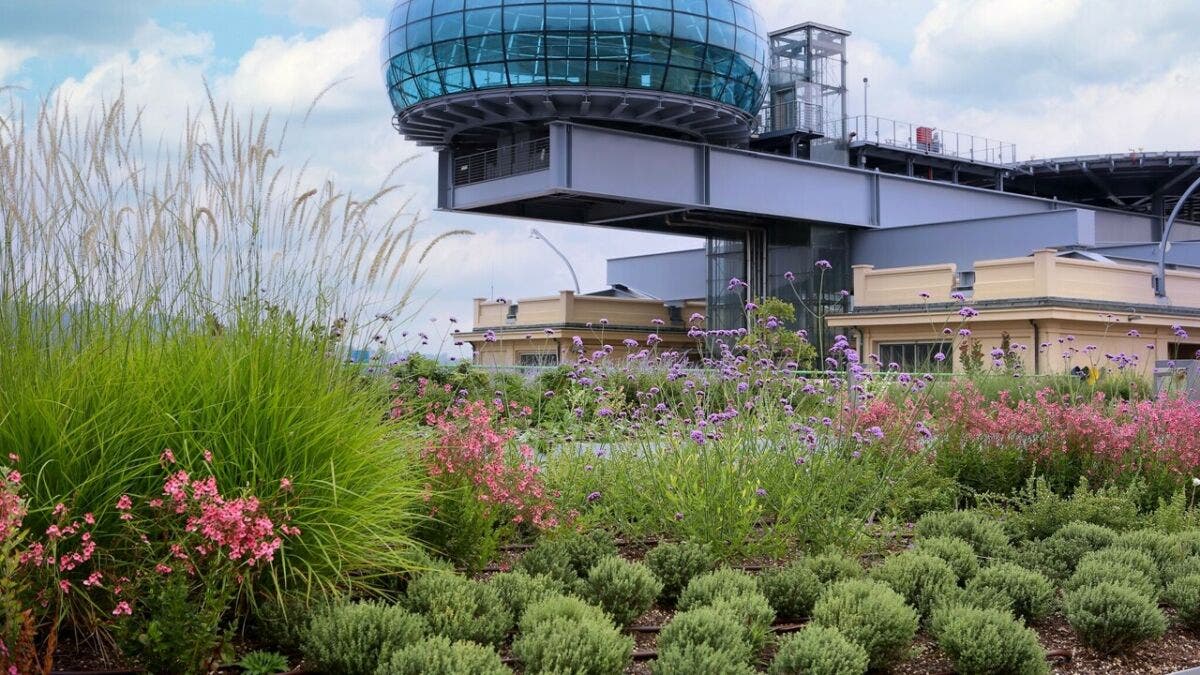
{"points": [[195, 478]]}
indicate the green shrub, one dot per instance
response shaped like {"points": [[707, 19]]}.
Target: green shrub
{"points": [[818, 650], [175, 627], [693, 659], [1025, 593], [985, 536], [676, 564], [439, 656], [1188, 542], [568, 557], [560, 606], [989, 642], [754, 613], [280, 621], [1043, 511], [354, 638], [922, 580], [459, 608], [1186, 567], [549, 558], [830, 567], [1111, 617], [870, 614], [624, 589], [1118, 565], [711, 586], [1058, 555], [565, 635], [263, 663], [1162, 549], [1184, 595], [956, 552], [517, 590], [718, 630], [791, 590]]}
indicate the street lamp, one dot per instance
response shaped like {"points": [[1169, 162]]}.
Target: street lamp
{"points": [[534, 234], [1160, 281]]}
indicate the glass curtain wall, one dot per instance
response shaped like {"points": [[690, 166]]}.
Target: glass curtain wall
{"points": [[713, 49]]}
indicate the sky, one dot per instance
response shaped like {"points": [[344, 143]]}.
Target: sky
{"points": [[1055, 77]]}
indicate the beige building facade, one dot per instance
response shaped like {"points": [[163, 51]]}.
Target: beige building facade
{"points": [[541, 331], [1058, 313]]}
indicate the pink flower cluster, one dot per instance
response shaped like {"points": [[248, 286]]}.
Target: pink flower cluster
{"points": [[1162, 430], [12, 508], [469, 447], [240, 527]]}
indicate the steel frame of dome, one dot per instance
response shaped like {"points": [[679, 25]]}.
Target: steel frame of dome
{"points": [[472, 71]]}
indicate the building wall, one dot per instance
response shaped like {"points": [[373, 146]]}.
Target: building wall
{"points": [[668, 276], [1081, 310]]}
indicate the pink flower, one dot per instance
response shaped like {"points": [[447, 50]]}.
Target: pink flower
{"points": [[64, 586], [208, 456], [14, 476], [93, 579], [89, 519], [285, 484], [124, 503], [163, 569], [167, 457], [122, 608], [12, 457]]}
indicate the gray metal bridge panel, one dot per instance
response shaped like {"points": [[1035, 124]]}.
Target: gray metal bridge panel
{"points": [[614, 167]]}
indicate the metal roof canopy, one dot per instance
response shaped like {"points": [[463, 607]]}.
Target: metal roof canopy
{"points": [[1147, 182]]}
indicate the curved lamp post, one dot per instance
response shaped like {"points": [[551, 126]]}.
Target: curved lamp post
{"points": [[533, 233], [1160, 281]]}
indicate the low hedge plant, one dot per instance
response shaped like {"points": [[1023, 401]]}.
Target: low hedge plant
{"points": [[676, 564], [819, 650], [459, 608], [791, 590], [354, 638], [1007, 586], [624, 589], [439, 656], [870, 614], [988, 642], [1111, 617]]}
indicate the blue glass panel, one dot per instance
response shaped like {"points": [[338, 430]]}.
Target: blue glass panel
{"points": [[430, 85], [720, 61], [721, 10], [448, 54], [484, 21], [444, 6], [687, 54], [447, 27], [485, 49], [566, 71], [419, 9], [681, 80], [690, 27], [659, 4], [566, 46], [746, 17], [721, 34], [519, 46], [693, 6], [646, 76], [456, 80], [480, 4], [523, 17], [489, 75], [419, 33], [422, 59], [526, 72], [607, 73], [610, 19], [652, 22], [410, 91], [609, 47], [747, 43], [564, 17], [650, 49]]}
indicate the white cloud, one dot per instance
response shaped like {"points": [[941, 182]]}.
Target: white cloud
{"points": [[12, 57], [319, 13]]}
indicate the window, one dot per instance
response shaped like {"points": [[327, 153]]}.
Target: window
{"points": [[537, 359], [918, 356]]}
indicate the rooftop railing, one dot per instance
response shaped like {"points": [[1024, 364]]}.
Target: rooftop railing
{"points": [[509, 160], [931, 140], [791, 116]]}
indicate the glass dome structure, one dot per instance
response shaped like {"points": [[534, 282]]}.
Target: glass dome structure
{"points": [[678, 51]]}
